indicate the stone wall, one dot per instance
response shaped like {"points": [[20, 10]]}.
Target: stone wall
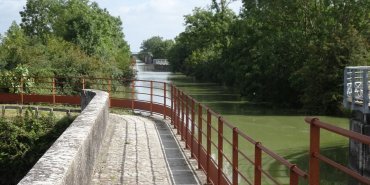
{"points": [[71, 159]]}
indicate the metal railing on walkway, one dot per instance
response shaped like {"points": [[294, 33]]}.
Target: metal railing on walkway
{"points": [[217, 145]]}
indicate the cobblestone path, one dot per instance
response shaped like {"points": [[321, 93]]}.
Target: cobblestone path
{"points": [[132, 154]]}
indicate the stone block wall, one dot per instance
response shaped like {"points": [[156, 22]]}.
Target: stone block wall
{"points": [[71, 159]]}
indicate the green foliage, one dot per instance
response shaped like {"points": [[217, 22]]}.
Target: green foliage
{"points": [[288, 53], [24, 139], [157, 46], [66, 38]]}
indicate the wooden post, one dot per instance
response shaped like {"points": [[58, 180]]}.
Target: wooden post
{"points": [[235, 156]]}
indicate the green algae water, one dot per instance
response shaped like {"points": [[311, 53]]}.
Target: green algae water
{"points": [[283, 132]]}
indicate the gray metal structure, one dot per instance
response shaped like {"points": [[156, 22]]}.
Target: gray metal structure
{"points": [[356, 88]]}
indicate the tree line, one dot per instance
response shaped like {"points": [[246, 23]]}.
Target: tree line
{"points": [[288, 53], [64, 38]]}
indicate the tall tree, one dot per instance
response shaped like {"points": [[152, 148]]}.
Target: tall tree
{"points": [[156, 45]]}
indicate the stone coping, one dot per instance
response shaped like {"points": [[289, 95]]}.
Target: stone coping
{"points": [[71, 159]]}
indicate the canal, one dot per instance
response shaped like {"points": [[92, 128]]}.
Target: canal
{"points": [[282, 131]]}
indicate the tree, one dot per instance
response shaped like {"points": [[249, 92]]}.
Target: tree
{"points": [[157, 46], [90, 28]]}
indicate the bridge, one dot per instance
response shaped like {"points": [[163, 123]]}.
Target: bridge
{"points": [[204, 133]]}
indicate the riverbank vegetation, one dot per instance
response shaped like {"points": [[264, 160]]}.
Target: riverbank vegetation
{"points": [[24, 139], [65, 38], [288, 53]]}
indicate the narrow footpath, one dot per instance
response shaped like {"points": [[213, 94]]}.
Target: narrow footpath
{"points": [[141, 150]]}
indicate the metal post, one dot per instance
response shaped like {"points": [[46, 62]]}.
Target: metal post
{"points": [[182, 116], [257, 164], [151, 97], [235, 156], [53, 90], [192, 128], [200, 131], [132, 95], [365, 91], [109, 90], [208, 145], [178, 111], [187, 121], [353, 75], [164, 100], [220, 148], [3, 111], [294, 179], [83, 83], [345, 95], [21, 90], [172, 106], [314, 165]]}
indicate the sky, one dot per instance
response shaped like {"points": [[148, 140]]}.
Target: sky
{"points": [[141, 19]]}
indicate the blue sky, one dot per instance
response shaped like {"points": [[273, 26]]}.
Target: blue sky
{"points": [[141, 19]]}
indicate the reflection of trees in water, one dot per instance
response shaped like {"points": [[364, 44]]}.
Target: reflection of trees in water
{"points": [[328, 175]]}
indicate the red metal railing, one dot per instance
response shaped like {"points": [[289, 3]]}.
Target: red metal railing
{"points": [[219, 147], [316, 157]]}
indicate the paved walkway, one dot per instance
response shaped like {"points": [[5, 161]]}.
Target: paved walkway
{"points": [[141, 150]]}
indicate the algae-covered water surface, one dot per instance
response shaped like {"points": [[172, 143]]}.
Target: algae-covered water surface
{"points": [[282, 131]]}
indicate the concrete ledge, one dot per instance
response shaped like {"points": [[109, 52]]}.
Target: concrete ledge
{"points": [[71, 159]]}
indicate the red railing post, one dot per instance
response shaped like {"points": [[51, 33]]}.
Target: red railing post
{"points": [[187, 121], [178, 111], [208, 145], [173, 106], [200, 131], [192, 128], [151, 97], [220, 148], [314, 165], [83, 83], [53, 90], [182, 116], [235, 156], [132, 95], [164, 99], [294, 179], [109, 90], [257, 164], [21, 89]]}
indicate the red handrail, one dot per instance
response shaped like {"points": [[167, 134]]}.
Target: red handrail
{"points": [[182, 112], [316, 157]]}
